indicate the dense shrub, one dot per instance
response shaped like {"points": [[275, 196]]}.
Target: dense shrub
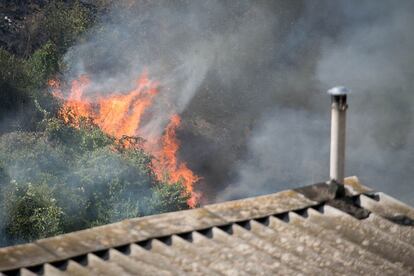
{"points": [[13, 80], [30, 212], [22, 84], [63, 179], [55, 178], [42, 65], [23, 79], [64, 22]]}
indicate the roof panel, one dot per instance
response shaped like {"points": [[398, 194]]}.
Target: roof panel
{"points": [[23, 255], [260, 206], [388, 207], [360, 257], [361, 233], [307, 231]]}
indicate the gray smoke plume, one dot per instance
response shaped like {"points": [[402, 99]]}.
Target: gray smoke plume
{"points": [[248, 78], [288, 149], [374, 57], [366, 45], [178, 44]]}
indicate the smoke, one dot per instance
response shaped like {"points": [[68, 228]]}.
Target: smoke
{"points": [[374, 57], [280, 154], [176, 43], [366, 46], [249, 78]]}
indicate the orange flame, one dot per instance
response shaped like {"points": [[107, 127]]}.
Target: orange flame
{"points": [[120, 114], [167, 160]]}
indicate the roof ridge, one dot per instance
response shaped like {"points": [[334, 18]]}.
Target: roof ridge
{"points": [[131, 231]]}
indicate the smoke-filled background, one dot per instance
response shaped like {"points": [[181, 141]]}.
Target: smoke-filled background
{"points": [[249, 80]]}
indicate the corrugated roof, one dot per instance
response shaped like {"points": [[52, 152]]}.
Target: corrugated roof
{"points": [[304, 231]]}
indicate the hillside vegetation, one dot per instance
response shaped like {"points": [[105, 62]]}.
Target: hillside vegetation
{"points": [[55, 178]]}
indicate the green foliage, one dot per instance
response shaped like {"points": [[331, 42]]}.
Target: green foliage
{"points": [[22, 84], [11, 69], [64, 23], [31, 211], [86, 179], [169, 197], [43, 64], [88, 137], [12, 82], [55, 178], [23, 81], [140, 160]]}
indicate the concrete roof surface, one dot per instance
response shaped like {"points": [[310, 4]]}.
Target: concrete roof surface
{"points": [[305, 231]]}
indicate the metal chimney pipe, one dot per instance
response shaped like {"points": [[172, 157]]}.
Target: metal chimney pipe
{"points": [[338, 133]]}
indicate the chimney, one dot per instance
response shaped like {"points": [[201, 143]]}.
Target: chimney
{"points": [[338, 133]]}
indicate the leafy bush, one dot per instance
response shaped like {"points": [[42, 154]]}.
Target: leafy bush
{"points": [[12, 83], [168, 198], [64, 23], [88, 137], [22, 83], [55, 178], [31, 211], [42, 65], [11, 69], [23, 80], [85, 178]]}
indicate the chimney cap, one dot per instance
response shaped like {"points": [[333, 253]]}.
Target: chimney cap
{"points": [[338, 91]]}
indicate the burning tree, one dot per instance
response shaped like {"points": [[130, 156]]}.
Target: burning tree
{"points": [[86, 165], [120, 115]]}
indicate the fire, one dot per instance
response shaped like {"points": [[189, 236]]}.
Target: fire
{"points": [[167, 160], [120, 114]]}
